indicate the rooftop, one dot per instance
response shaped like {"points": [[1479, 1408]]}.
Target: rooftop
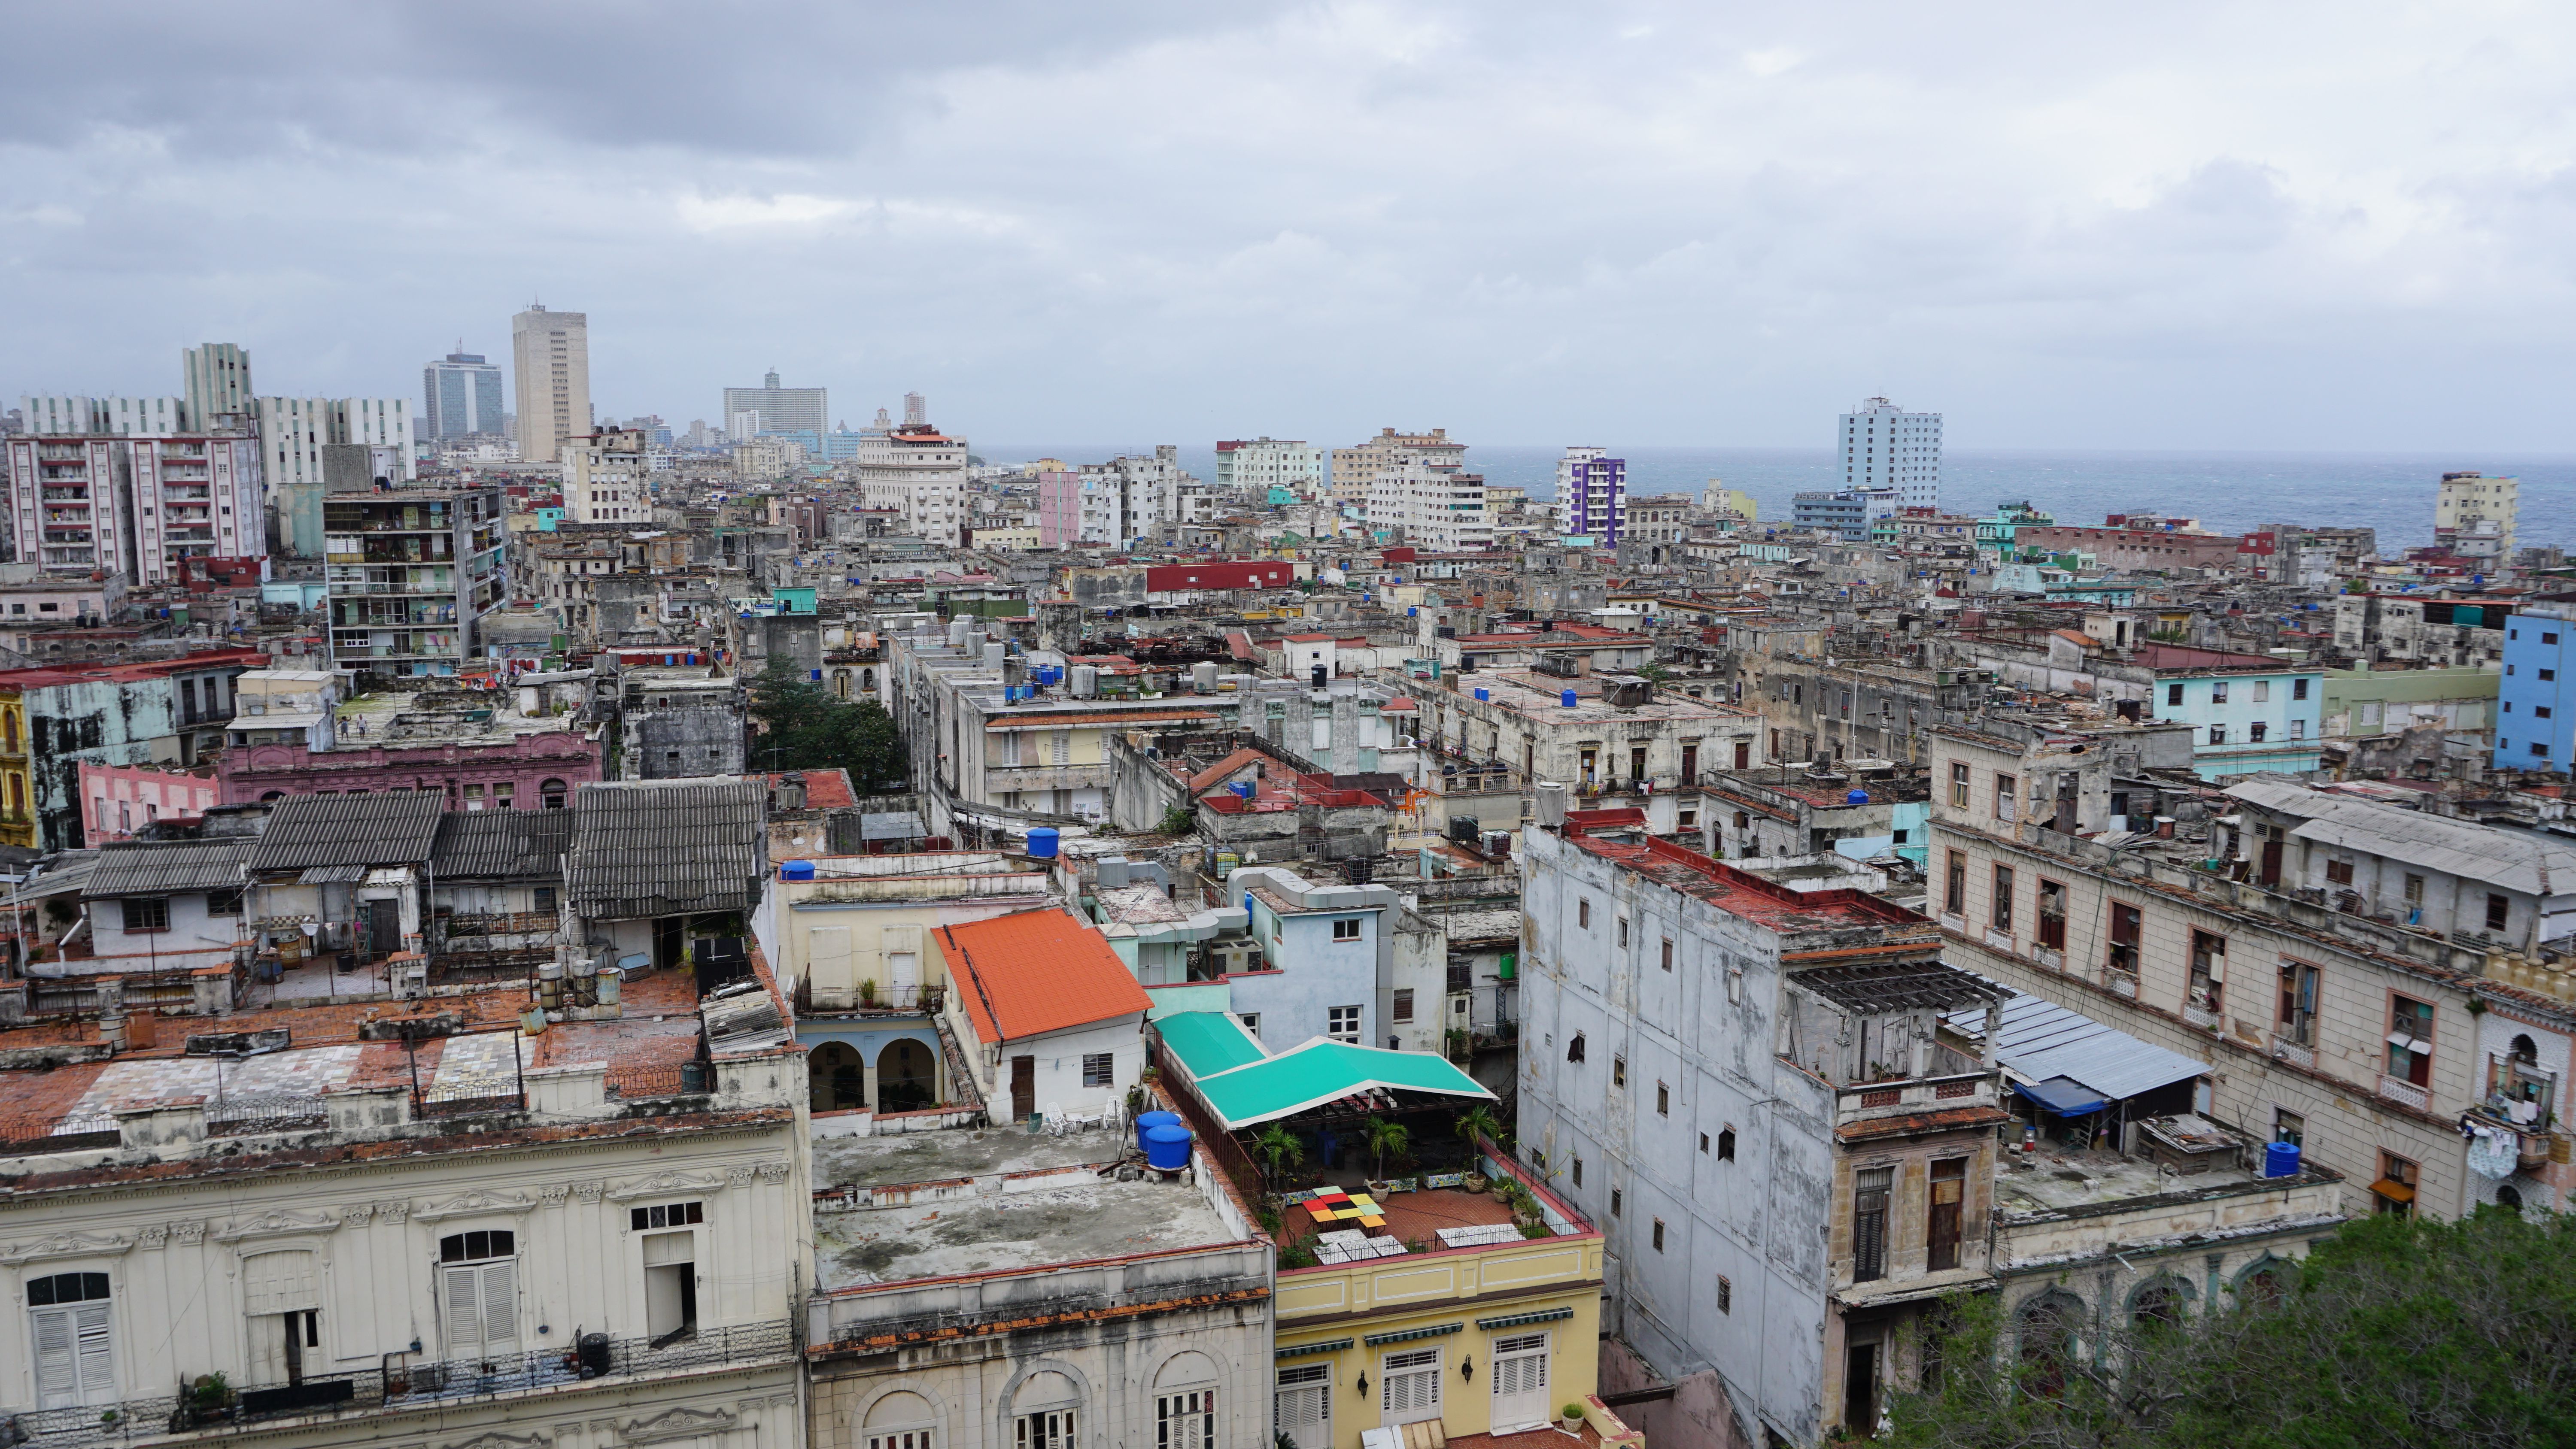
{"points": [[1034, 972], [2071, 1181], [1741, 893]]}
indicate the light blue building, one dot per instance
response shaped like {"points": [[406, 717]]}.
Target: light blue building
{"points": [[1324, 949], [2245, 718], [2535, 708]]}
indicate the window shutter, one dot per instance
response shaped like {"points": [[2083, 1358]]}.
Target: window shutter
{"points": [[500, 1307], [464, 1313], [279, 1283], [57, 1382], [97, 1359]]}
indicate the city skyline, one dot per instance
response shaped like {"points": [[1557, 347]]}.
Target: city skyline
{"points": [[2186, 231]]}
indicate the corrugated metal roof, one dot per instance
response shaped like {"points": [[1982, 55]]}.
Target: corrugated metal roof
{"points": [[154, 868], [2042, 1040], [667, 847], [69, 876], [501, 844], [394, 828], [2513, 859]]}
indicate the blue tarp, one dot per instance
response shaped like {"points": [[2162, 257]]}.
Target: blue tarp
{"points": [[2063, 1096]]}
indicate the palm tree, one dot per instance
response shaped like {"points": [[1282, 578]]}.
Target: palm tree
{"points": [[1276, 1146], [1479, 1121], [1385, 1137]]}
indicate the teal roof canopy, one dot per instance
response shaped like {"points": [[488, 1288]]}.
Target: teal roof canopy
{"points": [[1244, 1090]]}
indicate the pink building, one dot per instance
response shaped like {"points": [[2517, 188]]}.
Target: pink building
{"points": [[537, 770], [118, 800], [1059, 509]]}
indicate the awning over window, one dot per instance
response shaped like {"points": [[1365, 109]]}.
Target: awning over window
{"points": [[1407, 1335], [1515, 1320], [1301, 1350], [2393, 1190]]}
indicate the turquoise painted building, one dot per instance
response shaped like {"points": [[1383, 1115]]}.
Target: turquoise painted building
{"points": [[2245, 719]]}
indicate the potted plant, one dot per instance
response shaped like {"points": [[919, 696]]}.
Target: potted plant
{"points": [[1570, 1418], [1385, 1137], [867, 991]]}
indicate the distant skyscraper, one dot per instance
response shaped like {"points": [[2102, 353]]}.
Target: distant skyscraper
{"points": [[551, 351], [781, 409], [1591, 494], [1885, 448], [460, 396], [916, 408], [216, 382]]}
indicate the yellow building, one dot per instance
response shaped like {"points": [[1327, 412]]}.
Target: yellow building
{"points": [[17, 792]]}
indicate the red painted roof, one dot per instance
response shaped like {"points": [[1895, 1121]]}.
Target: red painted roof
{"points": [[1038, 972], [49, 675], [824, 789]]}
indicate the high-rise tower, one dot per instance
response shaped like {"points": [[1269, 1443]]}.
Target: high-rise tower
{"points": [[552, 354]]}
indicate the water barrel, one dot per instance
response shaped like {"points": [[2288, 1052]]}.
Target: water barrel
{"points": [[1857, 797], [1148, 1121], [1167, 1148], [2281, 1159], [1042, 843], [796, 870], [1566, 699]]}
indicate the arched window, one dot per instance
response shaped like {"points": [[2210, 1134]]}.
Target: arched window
{"points": [[2157, 1306], [901, 1420], [272, 795], [2047, 1342], [553, 792], [2508, 1196], [2266, 1282], [1043, 1412], [838, 1081]]}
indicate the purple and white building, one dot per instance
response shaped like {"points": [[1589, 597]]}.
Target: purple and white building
{"points": [[1591, 495]]}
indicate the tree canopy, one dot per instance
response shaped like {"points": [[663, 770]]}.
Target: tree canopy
{"points": [[2396, 1332], [800, 725]]}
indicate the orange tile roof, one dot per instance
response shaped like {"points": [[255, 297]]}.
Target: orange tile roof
{"points": [[1208, 778], [1039, 971]]}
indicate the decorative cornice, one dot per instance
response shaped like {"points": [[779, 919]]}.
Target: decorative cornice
{"points": [[678, 1422], [498, 1440], [664, 1184], [66, 1245], [476, 1202], [279, 1224]]}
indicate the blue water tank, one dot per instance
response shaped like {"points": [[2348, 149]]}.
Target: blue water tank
{"points": [[796, 870], [2281, 1159], [1566, 699], [1167, 1148], [1857, 797], [1243, 789], [1042, 843], [1484, 693], [1148, 1121]]}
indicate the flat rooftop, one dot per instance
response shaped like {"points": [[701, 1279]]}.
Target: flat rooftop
{"points": [[2054, 1182], [436, 717], [1745, 894], [1027, 1229]]}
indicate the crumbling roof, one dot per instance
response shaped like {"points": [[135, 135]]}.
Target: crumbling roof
{"points": [[152, 868], [1876, 986], [666, 847], [501, 844], [393, 828]]}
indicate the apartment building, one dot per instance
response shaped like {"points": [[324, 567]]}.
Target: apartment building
{"points": [[1745, 1086], [1264, 463], [1592, 496], [460, 397], [1595, 734], [2466, 500], [2362, 979], [1431, 504], [2535, 723], [607, 478], [413, 572], [550, 352], [1355, 468], [168, 711], [919, 473], [1889, 450]]}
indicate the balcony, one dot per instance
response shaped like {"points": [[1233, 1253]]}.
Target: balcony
{"points": [[413, 1387], [1867, 1102], [2404, 1093]]}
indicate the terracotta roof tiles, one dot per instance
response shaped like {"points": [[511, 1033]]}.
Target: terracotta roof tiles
{"points": [[1037, 972]]}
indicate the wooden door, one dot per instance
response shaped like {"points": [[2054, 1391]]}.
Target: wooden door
{"points": [[2271, 862], [1024, 1087]]}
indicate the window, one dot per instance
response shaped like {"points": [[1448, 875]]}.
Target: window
{"points": [[2548, 675], [2395, 1189], [2218, 691], [1099, 1069], [1346, 930], [1574, 1048], [1342, 1023], [1618, 1071], [2499, 910], [2002, 903], [2208, 971], [2218, 734], [1955, 890], [1663, 1100], [1578, 1172], [146, 913], [1409, 1386], [1251, 1022], [1583, 915], [1301, 1406], [2538, 711], [1869, 1223], [1726, 1144], [1403, 1004], [2262, 691], [2298, 1019], [2052, 914], [70, 1324], [2173, 694], [2410, 1040], [2415, 890], [2257, 730], [1668, 953], [2548, 638], [1618, 1200], [1050, 1430], [1941, 1231], [479, 1295], [2005, 808], [1186, 1420], [1958, 787], [1725, 1295], [664, 1215], [2298, 729], [2339, 872], [2298, 689], [2125, 933], [2289, 1127], [545, 898]]}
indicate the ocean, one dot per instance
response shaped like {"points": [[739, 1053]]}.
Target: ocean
{"points": [[2227, 492]]}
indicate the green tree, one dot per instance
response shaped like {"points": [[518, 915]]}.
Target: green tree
{"points": [[1385, 1137], [2395, 1332], [800, 725], [1277, 1147], [1480, 1121]]}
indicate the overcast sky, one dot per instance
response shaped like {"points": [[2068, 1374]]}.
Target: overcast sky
{"points": [[2184, 226]]}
